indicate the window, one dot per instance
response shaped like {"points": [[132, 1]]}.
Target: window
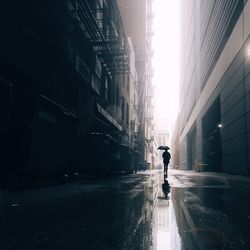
{"points": [[127, 114], [117, 96], [128, 82], [106, 89], [123, 108]]}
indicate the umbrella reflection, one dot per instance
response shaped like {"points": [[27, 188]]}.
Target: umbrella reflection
{"points": [[165, 226], [166, 188]]}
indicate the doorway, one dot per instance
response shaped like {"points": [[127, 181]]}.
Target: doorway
{"points": [[211, 135], [191, 149]]}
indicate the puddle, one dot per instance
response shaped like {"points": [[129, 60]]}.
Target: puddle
{"points": [[165, 228]]}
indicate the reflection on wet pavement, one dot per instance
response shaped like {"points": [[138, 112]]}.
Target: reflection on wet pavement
{"points": [[211, 212], [165, 226], [133, 212], [116, 213]]}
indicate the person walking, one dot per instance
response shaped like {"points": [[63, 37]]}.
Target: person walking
{"points": [[166, 158]]}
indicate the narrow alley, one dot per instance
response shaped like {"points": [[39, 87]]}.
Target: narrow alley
{"points": [[130, 212], [125, 125]]}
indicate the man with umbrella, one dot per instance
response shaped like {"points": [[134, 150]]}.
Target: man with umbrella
{"points": [[166, 157]]}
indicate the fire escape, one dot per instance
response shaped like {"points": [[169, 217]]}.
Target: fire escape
{"points": [[101, 22], [149, 88]]}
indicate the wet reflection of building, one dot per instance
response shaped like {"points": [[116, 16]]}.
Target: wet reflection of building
{"points": [[162, 219], [209, 218], [151, 191], [166, 235], [165, 226], [136, 227], [201, 225], [175, 240], [183, 219]]}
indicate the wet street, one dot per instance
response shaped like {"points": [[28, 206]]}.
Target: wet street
{"points": [[201, 211], [212, 210], [113, 213]]}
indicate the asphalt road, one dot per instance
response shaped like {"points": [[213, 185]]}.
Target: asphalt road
{"points": [[212, 210], [133, 212], [112, 213]]}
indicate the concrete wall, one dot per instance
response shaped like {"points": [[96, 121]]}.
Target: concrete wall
{"points": [[230, 80]]}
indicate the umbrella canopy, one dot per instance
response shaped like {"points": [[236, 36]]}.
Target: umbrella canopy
{"points": [[163, 148]]}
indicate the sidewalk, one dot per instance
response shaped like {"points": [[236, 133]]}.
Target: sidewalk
{"points": [[220, 178], [211, 209]]}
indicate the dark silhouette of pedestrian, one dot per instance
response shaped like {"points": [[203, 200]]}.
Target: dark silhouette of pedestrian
{"points": [[166, 158]]}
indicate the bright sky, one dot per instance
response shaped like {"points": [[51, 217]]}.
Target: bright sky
{"points": [[166, 58]]}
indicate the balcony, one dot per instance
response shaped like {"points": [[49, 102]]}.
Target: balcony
{"points": [[140, 55], [102, 24]]}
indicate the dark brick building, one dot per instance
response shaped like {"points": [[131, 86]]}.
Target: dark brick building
{"points": [[64, 80], [214, 116]]}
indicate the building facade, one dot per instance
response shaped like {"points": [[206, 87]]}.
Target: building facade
{"points": [[163, 132], [137, 16], [66, 89], [175, 145], [214, 111]]}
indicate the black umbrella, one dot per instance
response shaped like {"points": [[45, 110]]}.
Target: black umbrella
{"points": [[163, 148]]}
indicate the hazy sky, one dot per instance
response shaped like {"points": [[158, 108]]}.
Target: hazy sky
{"points": [[166, 58]]}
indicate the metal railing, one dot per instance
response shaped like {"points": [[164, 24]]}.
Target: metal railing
{"points": [[102, 24]]}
